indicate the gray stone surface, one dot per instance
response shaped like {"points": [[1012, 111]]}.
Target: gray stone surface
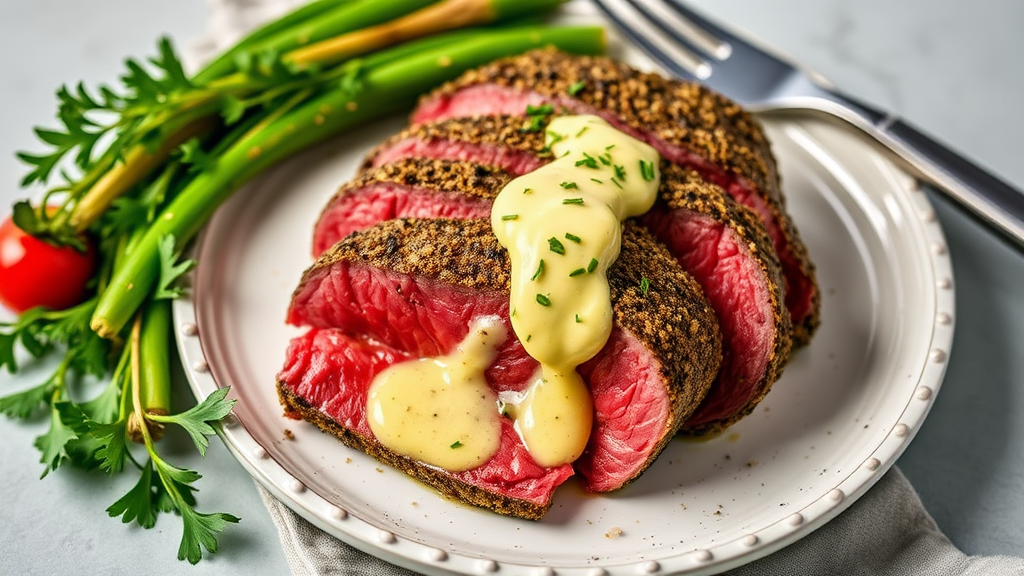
{"points": [[951, 67]]}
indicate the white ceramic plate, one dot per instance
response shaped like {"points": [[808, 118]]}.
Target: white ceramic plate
{"points": [[845, 409]]}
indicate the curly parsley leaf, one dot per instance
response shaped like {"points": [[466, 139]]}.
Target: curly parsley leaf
{"points": [[233, 110], [7, 357], [201, 529], [24, 404], [104, 407], [196, 421], [193, 155], [82, 450], [140, 503], [53, 444], [170, 270], [113, 451]]}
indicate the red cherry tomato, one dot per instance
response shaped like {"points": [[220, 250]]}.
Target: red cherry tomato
{"points": [[34, 273]]}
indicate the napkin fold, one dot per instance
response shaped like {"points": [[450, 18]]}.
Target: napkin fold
{"points": [[887, 532]]}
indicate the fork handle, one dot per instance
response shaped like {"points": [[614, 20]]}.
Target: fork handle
{"points": [[995, 203]]}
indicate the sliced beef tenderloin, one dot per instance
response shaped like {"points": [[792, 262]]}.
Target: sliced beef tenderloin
{"points": [[721, 244], [415, 285], [408, 188], [687, 123], [325, 380], [724, 246], [494, 141]]}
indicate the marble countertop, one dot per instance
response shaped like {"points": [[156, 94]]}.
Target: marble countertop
{"points": [[952, 68]]}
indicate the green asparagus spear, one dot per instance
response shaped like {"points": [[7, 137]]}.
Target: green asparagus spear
{"points": [[386, 89]]}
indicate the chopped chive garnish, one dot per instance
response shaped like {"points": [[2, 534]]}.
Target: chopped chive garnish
{"points": [[543, 300], [540, 270], [575, 88], [609, 147], [456, 444], [592, 266], [510, 216], [556, 246], [620, 172], [616, 182], [555, 137], [527, 190], [588, 161], [528, 336], [605, 159], [578, 319], [534, 124], [645, 285], [596, 180], [542, 110], [573, 237], [569, 185], [577, 272], [572, 200], [647, 170], [582, 130]]}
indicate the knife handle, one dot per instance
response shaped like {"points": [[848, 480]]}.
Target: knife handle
{"points": [[995, 203]]}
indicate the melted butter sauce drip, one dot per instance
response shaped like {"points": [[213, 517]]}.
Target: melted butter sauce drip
{"points": [[562, 226], [441, 411]]}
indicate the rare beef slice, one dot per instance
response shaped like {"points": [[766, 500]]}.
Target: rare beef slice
{"points": [[687, 123], [411, 287], [718, 242]]}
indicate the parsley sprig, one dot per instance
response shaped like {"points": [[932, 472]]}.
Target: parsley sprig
{"points": [[140, 165]]}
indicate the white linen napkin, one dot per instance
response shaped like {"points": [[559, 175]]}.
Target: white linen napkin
{"points": [[886, 532]]}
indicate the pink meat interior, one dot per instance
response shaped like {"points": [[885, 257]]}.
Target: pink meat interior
{"points": [[736, 289], [332, 372], [363, 207], [422, 317]]}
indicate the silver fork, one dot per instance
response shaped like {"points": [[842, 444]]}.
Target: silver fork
{"points": [[693, 47]]}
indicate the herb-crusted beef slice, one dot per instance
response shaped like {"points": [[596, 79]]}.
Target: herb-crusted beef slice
{"points": [[325, 381], [721, 244], [724, 246], [414, 285], [687, 123], [408, 188]]}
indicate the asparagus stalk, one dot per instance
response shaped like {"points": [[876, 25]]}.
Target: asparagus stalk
{"points": [[387, 88], [225, 63], [154, 374], [327, 22], [446, 15], [347, 27], [138, 163], [314, 23]]}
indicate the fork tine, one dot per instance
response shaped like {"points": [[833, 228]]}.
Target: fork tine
{"points": [[669, 16], [666, 50], [707, 26], [740, 48]]}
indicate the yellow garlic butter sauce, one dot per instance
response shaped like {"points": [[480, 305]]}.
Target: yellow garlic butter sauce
{"points": [[562, 226], [440, 410]]}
